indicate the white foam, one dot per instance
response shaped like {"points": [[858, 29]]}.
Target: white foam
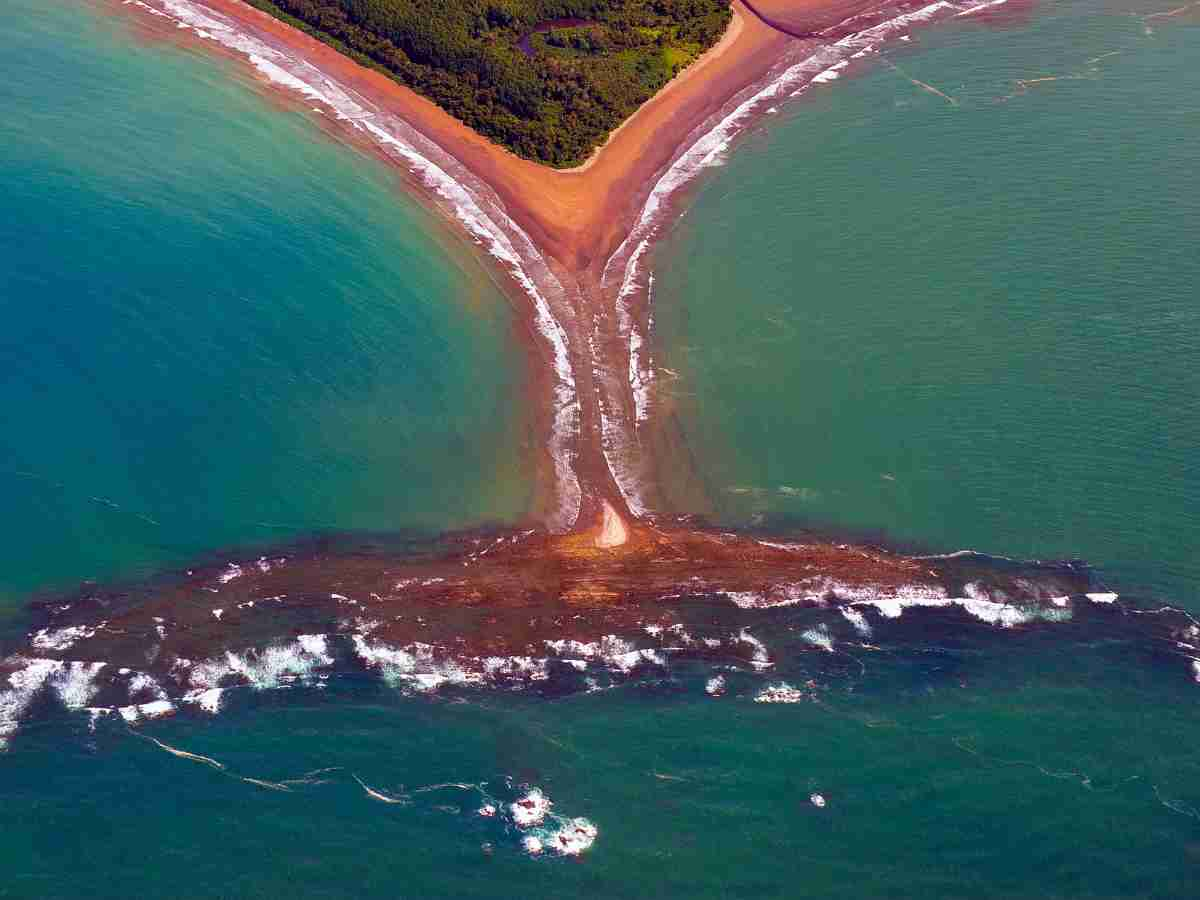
{"points": [[610, 650], [970, 11], [526, 667], [781, 692], [760, 659], [142, 683], [776, 545], [59, 639], [232, 571], [207, 699], [641, 371], [75, 683], [24, 683], [531, 809], [815, 591], [1102, 597], [543, 830], [819, 637], [756, 600], [1005, 615], [153, 710], [271, 667], [715, 686], [414, 665], [830, 74], [572, 837], [266, 565], [858, 620]]}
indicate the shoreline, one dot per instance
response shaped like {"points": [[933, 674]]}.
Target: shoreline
{"points": [[572, 245]]}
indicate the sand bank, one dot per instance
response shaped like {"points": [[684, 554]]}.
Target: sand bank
{"points": [[574, 244], [549, 615]]}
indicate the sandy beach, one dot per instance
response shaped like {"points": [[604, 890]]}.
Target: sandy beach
{"points": [[574, 215], [573, 244]]}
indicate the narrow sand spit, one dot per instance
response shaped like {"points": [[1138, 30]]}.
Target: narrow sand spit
{"points": [[574, 244]]}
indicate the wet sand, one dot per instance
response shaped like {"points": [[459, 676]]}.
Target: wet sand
{"points": [[592, 400], [575, 215], [506, 594], [605, 561], [552, 615]]}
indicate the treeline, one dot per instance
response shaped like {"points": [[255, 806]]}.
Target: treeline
{"points": [[554, 104]]}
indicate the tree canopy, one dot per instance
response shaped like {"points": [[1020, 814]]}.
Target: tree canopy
{"points": [[548, 79]]}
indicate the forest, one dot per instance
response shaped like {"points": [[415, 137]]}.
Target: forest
{"points": [[548, 79]]}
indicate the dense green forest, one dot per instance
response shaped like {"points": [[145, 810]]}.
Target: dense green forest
{"points": [[549, 79]]}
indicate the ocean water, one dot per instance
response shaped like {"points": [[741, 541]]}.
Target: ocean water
{"points": [[221, 330], [982, 763], [966, 322]]}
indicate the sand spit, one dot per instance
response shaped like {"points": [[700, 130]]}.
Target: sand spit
{"points": [[574, 245]]}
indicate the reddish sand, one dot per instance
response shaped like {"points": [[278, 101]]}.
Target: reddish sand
{"points": [[576, 219], [505, 594], [498, 599], [579, 215]]}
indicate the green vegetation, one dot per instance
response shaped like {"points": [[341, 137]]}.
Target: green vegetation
{"points": [[549, 79]]}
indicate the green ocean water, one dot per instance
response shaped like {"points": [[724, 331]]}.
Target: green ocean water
{"points": [[349, 378], [968, 326], [219, 329]]}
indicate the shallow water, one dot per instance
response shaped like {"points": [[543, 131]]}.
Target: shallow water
{"points": [[221, 329], [960, 326], [953, 762]]}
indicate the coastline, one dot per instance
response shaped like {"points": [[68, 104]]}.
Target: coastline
{"points": [[572, 214], [573, 245], [599, 585]]}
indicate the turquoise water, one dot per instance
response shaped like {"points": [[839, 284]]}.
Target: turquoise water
{"points": [[220, 329], [1021, 772], [961, 326], [1025, 375]]}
